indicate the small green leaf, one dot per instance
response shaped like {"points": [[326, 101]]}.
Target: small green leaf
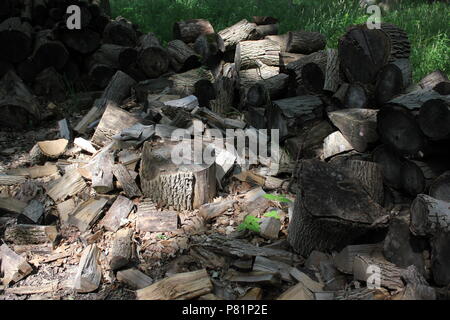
{"points": [[250, 223], [272, 214], [273, 197]]}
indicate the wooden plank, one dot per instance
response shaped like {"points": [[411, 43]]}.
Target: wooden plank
{"points": [[87, 213], [70, 184], [13, 266], [126, 180], [151, 220], [120, 210], [89, 273], [181, 286], [134, 278]]}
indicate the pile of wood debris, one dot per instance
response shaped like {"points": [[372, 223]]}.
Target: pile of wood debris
{"points": [[100, 211]]}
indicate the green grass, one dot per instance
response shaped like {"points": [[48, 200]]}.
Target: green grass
{"points": [[427, 24]]}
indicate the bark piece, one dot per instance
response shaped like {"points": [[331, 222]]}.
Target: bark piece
{"points": [[183, 186], [120, 210], [151, 220], [134, 278], [262, 264], [87, 213], [70, 184], [390, 274], [121, 251], [89, 274], [358, 126], [322, 222], [332, 79], [181, 286], [31, 234], [13, 266], [10, 180]]}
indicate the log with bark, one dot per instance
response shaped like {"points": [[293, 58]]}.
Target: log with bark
{"points": [[50, 84], [313, 76], [249, 53], [152, 57], [183, 186], [241, 31], [415, 99], [330, 210], [13, 266], [89, 273], [224, 97], [17, 39], [305, 42], [31, 234], [440, 187], [182, 57], [211, 49], [440, 258], [343, 260], [120, 32], [45, 150], [18, 105], [432, 79], [119, 57], [48, 52], [434, 119], [429, 216], [184, 83], [189, 30]]}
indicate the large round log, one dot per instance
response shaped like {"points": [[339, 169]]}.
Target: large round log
{"points": [[295, 69], [331, 210], [399, 42], [16, 40], [399, 129], [305, 42], [182, 186], [434, 119], [18, 106], [189, 30], [120, 32], [241, 31], [440, 187], [50, 84], [83, 41], [119, 57], [389, 84], [429, 216], [48, 52], [152, 57], [356, 96], [211, 49], [363, 52]]}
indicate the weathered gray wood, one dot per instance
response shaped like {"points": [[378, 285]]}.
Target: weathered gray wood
{"points": [[440, 187], [13, 266], [151, 220], [305, 42], [390, 274], [121, 251], [256, 277], [30, 234], [70, 184], [87, 213], [270, 228], [102, 172], [181, 286], [134, 278], [120, 210], [344, 259], [127, 182], [334, 144], [10, 180], [241, 31], [34, 211], [266, 265], [89, 273], [303, 278], [35, 171], [211, 211], [429, 215]]}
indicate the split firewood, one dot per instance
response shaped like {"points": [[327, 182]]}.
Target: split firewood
{"points": [[311, 209], [13, 266], [402, 248], [332, 80], [134, 278], [262, 278], [270, 228], [151, 220], [290, 114], [87, 213], [102, 172], [182, 286], [34, 211], [64, 210], [113, 121], [303, 278], [344, 259], [45, 150], [297, 292], [253, 294], [399, 129], [358, 126], [19, 106], [65, 130], [119, 211], [417, 288], [12, 205], [10, 180], [184, 186], [31, 234], [429, 215], [440, 187], [241, 31], [118, 89], [440, 258], [70, 184], [85, 145], [266, 265], [126, 181], [432, 79], [415, 99], [121, 251], [35, 171], [389, 273], [189, 30], [211, 211], [183, 83], [120, 32], [89, 273], [335, 144]]}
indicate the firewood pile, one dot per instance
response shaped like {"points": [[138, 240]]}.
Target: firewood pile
{"points": [[356, 205]]}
